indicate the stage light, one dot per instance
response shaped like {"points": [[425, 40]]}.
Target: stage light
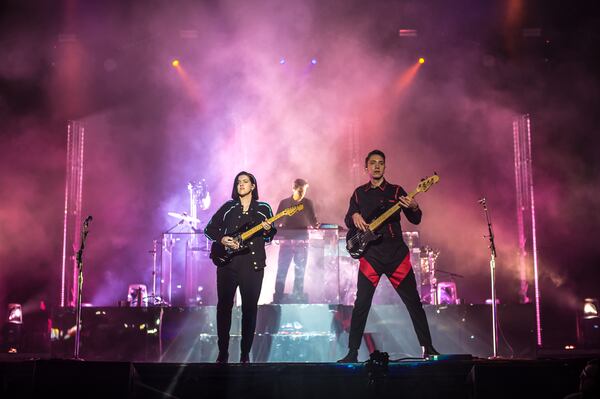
{"points": [[282, 60], [15, 313], [137, 295], [407, 32], [421, 60], [12, 330], [175, 63], [313, 61], [590, 308]]}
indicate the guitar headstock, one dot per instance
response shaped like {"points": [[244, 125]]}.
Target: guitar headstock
{"points": [[293, 209], [426, 183]]}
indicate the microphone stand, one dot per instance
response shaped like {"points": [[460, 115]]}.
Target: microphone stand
{"points": [[492, 247], [84, 234]]}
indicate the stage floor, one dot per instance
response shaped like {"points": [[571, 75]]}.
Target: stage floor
{"points": [[460, 378]]}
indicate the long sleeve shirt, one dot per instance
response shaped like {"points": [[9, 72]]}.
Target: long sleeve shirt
{"points": [[371, 202], [230, 220]]}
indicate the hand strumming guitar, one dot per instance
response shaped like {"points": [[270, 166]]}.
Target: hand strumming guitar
{"points": [[229, 242], [359, 222]]}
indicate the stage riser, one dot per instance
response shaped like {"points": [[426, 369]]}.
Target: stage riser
{"points": [[513, 380], [441, 379], [290, 333]]}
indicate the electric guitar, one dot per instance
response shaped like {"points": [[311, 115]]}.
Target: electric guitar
{"points": [[221, 255], [357, 240]]}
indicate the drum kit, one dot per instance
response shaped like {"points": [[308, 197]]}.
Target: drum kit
{"points": [[432, 290], [179, 254]]}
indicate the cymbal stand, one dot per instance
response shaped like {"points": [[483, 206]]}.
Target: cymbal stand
{"points": [[432, 259], [154, 252], [492, 247]]}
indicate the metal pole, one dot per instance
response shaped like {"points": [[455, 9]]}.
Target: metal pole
{"points": [[154, 254], [492, 247], [494, 308]]}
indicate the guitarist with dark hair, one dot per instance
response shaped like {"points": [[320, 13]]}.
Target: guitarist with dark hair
{"points": [[241, 262], [381, 249]]}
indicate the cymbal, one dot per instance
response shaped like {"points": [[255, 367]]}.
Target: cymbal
{"points": [[184, 216]]}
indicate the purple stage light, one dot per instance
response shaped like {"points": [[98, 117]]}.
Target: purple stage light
{"points": [[282, 60], [313, 61]]}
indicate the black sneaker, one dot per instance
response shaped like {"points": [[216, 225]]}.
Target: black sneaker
{"points": [[245, 358], [351, 357]]}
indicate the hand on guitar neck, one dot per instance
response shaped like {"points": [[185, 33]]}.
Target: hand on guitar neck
{"points": [[406, 202]]}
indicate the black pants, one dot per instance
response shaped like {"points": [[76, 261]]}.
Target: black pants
{"points": [[237, 273], [288, 251], [402, 278]]}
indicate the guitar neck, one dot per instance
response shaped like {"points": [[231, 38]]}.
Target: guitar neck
{"points": [[385, 215], [249, 233]]}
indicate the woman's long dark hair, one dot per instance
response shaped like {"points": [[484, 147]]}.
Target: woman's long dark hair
{"points": [[234, 193]]}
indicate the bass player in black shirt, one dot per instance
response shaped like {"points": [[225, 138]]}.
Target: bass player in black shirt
{"points": [[387, 255]]}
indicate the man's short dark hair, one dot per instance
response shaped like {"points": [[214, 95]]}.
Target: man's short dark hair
{"points": [[374, 152], [234, 193], [300, 183]]}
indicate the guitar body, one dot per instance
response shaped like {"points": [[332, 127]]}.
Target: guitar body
{"points": [[221, 255], [357, 241]]}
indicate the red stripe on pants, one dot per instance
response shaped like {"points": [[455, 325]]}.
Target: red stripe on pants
{"points": [[400, 272], [370, 273]]}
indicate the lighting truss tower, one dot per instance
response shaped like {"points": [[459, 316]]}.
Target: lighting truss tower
{"points": [[527, 255], [72, 213]]}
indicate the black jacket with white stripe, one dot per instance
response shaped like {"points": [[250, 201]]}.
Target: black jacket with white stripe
{"points": [[229, 220]]}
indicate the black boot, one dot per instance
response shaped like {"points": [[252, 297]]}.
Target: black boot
{"points": [[223, 357], [429, 351], [351, 357], [245, 358]]}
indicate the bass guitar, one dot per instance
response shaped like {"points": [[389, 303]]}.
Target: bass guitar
{"points": [[357, 240], [221, 255]]}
